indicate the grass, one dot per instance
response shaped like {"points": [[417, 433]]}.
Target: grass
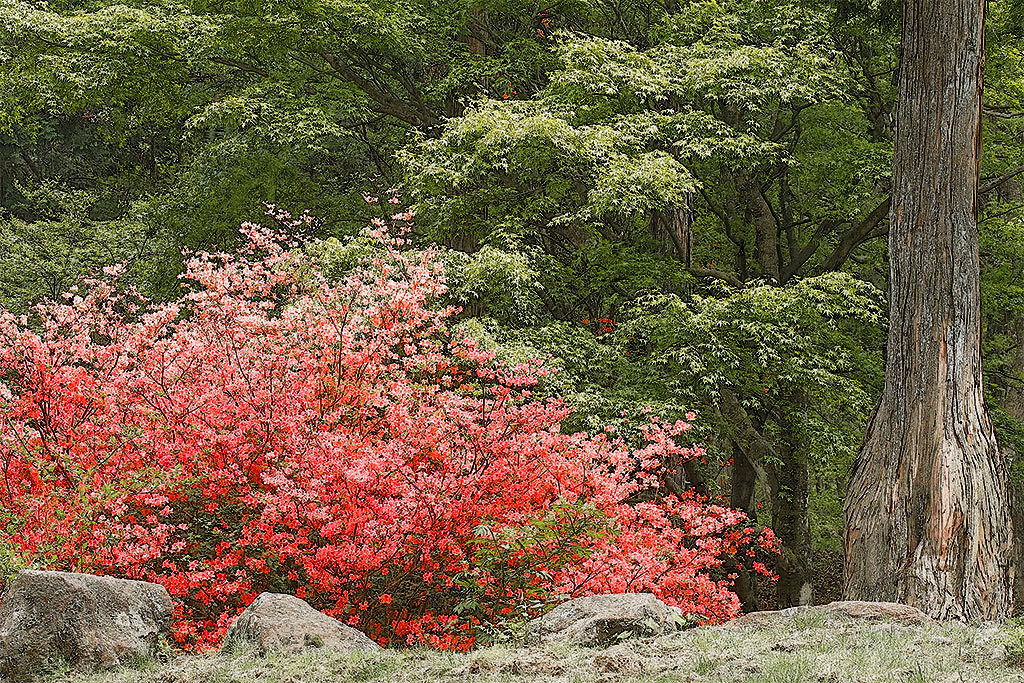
{"points": [[804, 648]]}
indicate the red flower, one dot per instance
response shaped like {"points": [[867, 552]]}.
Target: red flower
{"points": [[273, 422]]}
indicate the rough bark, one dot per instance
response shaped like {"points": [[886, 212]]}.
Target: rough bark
{"points": [[927, 520]]}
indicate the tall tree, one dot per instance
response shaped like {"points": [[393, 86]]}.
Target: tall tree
{"points": [[927, 520], [643, 162]]}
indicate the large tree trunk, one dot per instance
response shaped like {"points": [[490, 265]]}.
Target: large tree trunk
{"points": [[927, 520]]}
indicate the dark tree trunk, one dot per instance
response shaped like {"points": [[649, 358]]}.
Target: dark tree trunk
{"points": [[766, 231], [1016, 489], [790, 511], [792, 523], [673, 230], [1013, 404], [785, 474], [927, 520], [742, 493]]}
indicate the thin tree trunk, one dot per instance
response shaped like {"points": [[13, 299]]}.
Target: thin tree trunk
{"points": [[1013, 398], [765, 229], [790, 510], [1016, 492], [673, 230], [742, 489], [927, 520], [1013, 404]]}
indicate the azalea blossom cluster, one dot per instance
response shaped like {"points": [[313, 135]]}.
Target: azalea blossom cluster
{"points": [[276, 430]]}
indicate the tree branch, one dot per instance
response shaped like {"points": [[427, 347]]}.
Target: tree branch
{"points": [[716, 274], [993, 184], [808, 250], [756, 449], [856, 236], [388, 104], [242, 66]]}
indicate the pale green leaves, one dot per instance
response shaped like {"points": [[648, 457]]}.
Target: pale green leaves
{"points": [[595, 66], [109, 55], [631, 185], [570, 172]]}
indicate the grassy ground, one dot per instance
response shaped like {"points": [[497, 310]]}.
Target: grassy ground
{"points": [[810, 646]]}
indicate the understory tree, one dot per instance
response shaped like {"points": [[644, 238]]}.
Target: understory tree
{"points": [[723, 152], [278, 429]]}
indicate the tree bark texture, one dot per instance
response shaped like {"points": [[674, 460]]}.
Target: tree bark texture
{"points": [[927, 518]]}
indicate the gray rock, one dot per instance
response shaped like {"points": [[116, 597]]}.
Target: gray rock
{"points": [[764, 618], [894, 611], [872, 611], [286, 624], [602, 620], [84, 621]]}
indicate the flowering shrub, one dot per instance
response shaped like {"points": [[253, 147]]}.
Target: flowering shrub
{"points": [[274, 430]]}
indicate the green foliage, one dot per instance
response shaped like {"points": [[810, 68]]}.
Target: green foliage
{"points": [[562, 535], [178, 120], [805, 360], [10, 564], [1013, 642]]}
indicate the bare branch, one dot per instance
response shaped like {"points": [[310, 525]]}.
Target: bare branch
{"points": [[857, 235]]}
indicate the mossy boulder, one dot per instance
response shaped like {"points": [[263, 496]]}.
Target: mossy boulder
{"points": [[79, 620]]}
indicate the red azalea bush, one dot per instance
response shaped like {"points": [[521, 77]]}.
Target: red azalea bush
{"points": [[274, 430]]}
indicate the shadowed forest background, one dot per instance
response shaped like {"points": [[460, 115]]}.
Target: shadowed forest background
{"points": [[680, 206]]}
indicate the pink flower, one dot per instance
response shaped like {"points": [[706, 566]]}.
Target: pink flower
{"points": [[276, 420]]}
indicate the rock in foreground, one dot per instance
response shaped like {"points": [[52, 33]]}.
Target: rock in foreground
{"points": [[820, 646], [286, 624], [893, 611], [904, 614], [601, 620], [84, 621]]}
